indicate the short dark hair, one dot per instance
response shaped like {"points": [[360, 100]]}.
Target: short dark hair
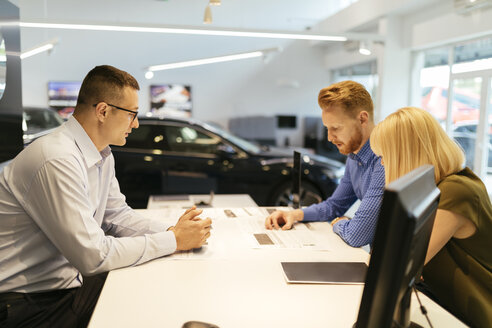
{"points": [[349, 95], [104, 83]]}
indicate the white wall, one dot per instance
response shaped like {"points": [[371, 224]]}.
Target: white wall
{"points": [[286, 84], [214, 86], [408, 26]]}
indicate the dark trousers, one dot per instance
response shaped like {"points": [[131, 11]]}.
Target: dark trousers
{"points": [[58, 308]]}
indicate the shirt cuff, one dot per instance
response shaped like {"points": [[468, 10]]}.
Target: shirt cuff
{"points": [[158, 245], [310, 214]]}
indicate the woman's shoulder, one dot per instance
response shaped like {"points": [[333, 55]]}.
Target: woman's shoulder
{"points": [[460, 181], [461, 187]]}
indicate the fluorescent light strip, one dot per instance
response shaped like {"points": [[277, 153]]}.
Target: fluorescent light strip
{"points": [[205, 61], [175, 30], [36, 51]]}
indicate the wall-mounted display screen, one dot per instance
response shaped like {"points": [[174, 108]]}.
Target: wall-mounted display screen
{"points": [[171, 99], [62, 96], [286, 121]]}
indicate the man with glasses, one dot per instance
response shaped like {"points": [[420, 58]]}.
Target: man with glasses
{"points": [[63, 220]]}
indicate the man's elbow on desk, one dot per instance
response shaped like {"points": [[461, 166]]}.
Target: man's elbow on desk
{"points": [[352, 238]]}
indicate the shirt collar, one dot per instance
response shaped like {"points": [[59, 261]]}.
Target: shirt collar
{"points": [[364, 154], [85, 144]]}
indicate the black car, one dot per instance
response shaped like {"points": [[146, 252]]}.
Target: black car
{"points": [[37, 122], [20, 131], [185, 156]]}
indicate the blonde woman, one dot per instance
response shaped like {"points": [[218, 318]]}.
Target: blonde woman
{"points": [[458, 270]]}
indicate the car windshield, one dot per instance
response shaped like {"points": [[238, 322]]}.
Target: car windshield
{"points": [[244, 144], [39, 120]]}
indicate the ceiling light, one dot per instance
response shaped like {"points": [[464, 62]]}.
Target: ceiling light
{"points": [[207, 17], [212, 60], [185, 30], [149, 75], [214, 2], [364, 49], [39, 49]]}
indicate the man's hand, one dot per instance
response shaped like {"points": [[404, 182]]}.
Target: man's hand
{"points": [[191, 231], [283, 219]]}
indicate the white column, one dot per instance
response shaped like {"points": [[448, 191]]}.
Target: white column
{"points": [[394, 69]]}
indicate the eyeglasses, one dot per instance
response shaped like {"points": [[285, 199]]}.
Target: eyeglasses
{"points": [[123, 109]]}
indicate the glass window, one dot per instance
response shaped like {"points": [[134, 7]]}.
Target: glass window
{"points": [[37, 119], [365, 74], [434, 81], [468, 72], [487, 149], [186, 139], [244, 144], [473, 56], [141, 138]]}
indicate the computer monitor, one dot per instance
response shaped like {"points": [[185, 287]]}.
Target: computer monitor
{"points": [[286, 121], [296, 180], [400, 245]]}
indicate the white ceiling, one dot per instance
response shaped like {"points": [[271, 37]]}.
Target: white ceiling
{"points": [[293, 15]]}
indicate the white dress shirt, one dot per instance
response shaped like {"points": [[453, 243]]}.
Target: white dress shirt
{"points": [[62, 213]]}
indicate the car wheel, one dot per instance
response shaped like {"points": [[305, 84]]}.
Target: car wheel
{"points": [[282, 196]]}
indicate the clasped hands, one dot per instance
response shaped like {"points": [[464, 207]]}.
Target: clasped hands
{"points": [[190, 230]]}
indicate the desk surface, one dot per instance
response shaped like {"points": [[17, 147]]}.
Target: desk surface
{"points": [[231, 200], [243, 287]]}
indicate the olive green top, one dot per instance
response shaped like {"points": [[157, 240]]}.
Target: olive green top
{"points": [[460, 275]]}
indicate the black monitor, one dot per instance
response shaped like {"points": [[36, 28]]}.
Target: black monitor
{"points": [[400, 245], [296, 180], [286, 121]]}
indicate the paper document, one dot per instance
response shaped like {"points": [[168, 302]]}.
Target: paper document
{"points": [[247, 224], [300, 236]]}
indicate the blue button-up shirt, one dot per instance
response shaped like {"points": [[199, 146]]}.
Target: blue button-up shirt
{"points": [[364, 180]]}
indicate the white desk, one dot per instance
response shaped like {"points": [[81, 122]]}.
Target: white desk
{"points": [[231, 200], [244, 288]]}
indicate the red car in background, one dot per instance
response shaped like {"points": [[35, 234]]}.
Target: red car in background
{"points": [[465, 107]]}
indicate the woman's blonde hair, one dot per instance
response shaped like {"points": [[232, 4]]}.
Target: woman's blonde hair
{"points": [[411, 137]]}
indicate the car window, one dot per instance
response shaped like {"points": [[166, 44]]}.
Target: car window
{"points": [[41, 119], [186, 139], [141, 138], [244, 144], [464, 99]]}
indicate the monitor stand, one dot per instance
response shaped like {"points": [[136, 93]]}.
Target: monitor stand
{"points": [[401, 318], [402, 312], [296, 181]]}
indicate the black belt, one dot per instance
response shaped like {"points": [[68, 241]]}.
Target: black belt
{"points": [[10, 296], [6, 297]]}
